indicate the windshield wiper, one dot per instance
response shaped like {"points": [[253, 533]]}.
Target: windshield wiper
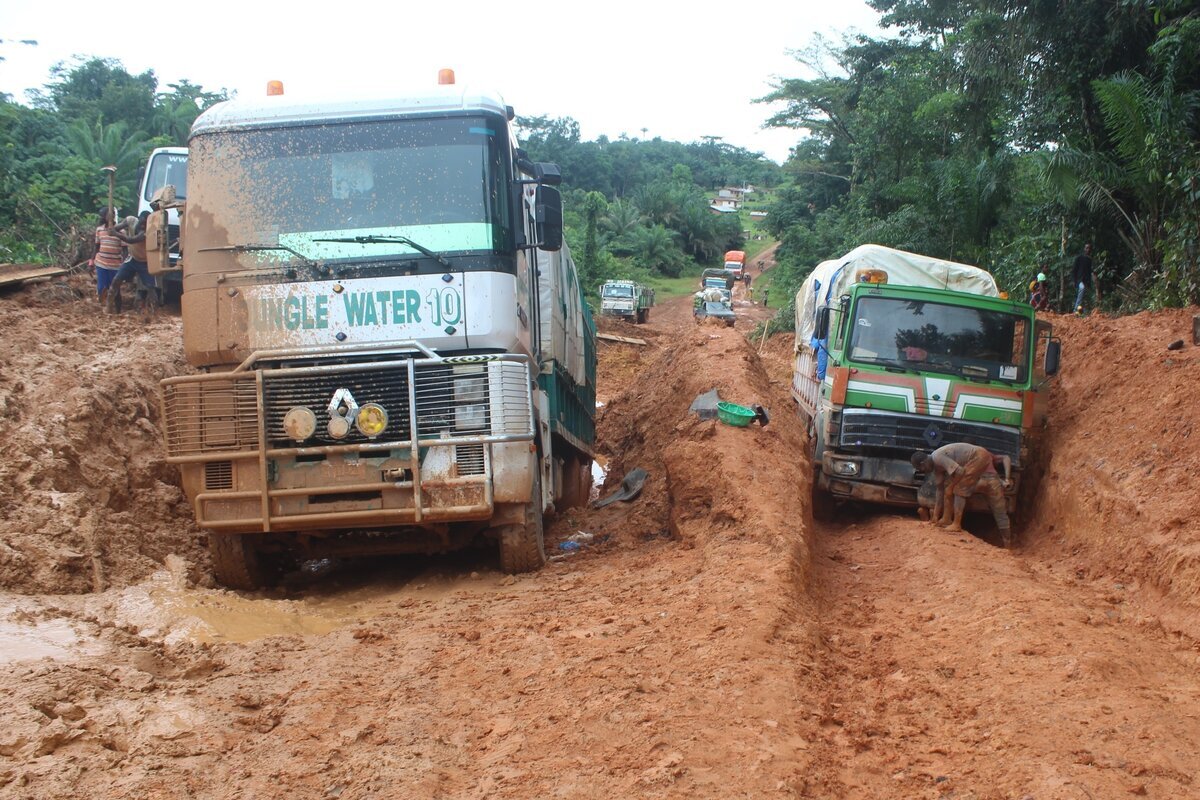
{"points": [[422, 249], [261, 248]]}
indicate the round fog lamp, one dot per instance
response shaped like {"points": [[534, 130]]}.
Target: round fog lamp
{"points": [[299, 423], [339, 427], [371, 420]]}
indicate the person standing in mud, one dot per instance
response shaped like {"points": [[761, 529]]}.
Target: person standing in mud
{"points": [[106, 255], [135, 268], [960, 470]]}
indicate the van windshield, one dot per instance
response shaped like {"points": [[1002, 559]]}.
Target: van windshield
{"points": [[936, 337], [166, 168], [437, 181]]}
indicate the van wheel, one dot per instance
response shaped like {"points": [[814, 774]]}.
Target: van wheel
{"points": [[523, 545], [237, 563]]}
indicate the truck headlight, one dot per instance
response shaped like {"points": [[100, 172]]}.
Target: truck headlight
{"points": [[299, 423], [470, 399], [371, 421], [841, 467]]}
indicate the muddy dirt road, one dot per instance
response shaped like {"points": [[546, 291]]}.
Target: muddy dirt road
{"points": [[713, 643]]}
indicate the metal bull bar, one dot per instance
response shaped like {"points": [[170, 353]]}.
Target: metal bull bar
{"points": [[432, 402]]}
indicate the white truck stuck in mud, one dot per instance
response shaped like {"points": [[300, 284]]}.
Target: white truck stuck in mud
{"points": [[393, 349], [626, 300]]}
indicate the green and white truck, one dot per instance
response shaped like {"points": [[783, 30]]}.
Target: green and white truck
{"points": [[392, 347], [898, 352], [628, 300]]}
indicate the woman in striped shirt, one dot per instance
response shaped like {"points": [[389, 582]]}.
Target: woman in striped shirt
{"points": [[107, 256]]}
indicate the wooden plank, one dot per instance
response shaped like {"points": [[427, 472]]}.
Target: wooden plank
{"points": [[623, 339], [16, 274]]}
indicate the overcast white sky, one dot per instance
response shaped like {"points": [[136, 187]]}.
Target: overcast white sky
{"points": [[680, 70]]}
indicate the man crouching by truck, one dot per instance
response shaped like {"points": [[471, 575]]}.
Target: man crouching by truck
{"points": [[960, 470]]}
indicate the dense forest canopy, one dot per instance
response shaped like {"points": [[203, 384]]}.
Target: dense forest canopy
{"points": [[1005, 134], [635, 207], [640, 207], [91, 113]]}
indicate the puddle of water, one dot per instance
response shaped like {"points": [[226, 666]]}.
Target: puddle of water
{"points": [[162, 609], [56, 639]]}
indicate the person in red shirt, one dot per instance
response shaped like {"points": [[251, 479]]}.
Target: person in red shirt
{"points": [[107, 255], [960, 470]]}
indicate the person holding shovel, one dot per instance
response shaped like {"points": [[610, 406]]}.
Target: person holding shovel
{"points": [[106, 254]]}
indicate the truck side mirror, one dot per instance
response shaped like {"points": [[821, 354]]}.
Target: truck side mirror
{"points": [[547, 174], [543, 173], [821, 330], [1053, 354], [548, 218]]}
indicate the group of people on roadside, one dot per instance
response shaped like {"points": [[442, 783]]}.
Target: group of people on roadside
{"points": [[1081, 279], [119, 257]]}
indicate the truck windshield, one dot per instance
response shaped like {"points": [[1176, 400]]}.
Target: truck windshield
{"points": [[166, 168], [437, 181], [937, 337], [618, 291]]}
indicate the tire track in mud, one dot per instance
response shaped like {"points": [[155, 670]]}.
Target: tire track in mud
{"points": [[951, 668]]}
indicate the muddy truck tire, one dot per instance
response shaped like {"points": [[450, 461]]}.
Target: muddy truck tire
{"points": [[237, 563], [823, 504], [523, 545], [577, 482]]}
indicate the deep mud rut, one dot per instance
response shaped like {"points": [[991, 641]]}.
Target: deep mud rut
{"points": [[712, 643]]}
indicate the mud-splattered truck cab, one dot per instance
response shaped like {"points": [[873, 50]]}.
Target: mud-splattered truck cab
{"points": [[628, 300], [393, 352], [898, 352]]}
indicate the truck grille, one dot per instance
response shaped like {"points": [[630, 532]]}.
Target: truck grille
{"points": [[455, 398], [388, 388], [909, 432]]}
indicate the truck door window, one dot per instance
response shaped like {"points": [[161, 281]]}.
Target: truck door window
{"points": [[167, 168]]}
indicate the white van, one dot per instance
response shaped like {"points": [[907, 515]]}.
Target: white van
{"points": [[166, 165]]}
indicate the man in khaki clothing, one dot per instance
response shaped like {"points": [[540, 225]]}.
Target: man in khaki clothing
{"points": [[960, 470]]}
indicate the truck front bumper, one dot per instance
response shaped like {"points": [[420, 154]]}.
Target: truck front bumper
{"points": [[888, 481], [458, 440]]}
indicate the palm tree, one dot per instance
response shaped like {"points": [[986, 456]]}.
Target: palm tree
{"points": [[174, 119], [102, 145], [656, 248], [1150, 125], [621, 218]]}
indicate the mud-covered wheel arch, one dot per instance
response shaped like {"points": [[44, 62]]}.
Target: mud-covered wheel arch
{"points": [[523, 544], [238, 562]]}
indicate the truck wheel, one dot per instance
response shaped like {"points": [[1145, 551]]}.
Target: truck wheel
{"points": [[824, 507], [523, 546], [577, 481], [237, 563]]}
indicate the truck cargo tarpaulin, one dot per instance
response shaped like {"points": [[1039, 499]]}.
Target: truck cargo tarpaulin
{"points": [[830, 279]]}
